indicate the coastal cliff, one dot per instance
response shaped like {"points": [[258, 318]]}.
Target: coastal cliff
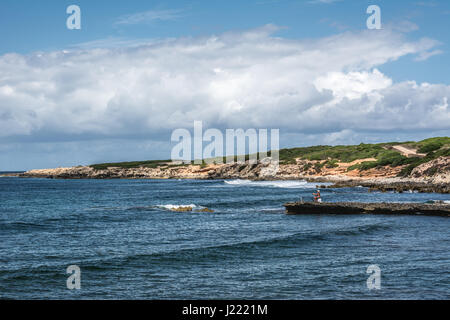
{"points": [[418, 166]]}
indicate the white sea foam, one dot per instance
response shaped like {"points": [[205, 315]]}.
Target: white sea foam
{"points": [[175, 206], [447, 201], [291, 184]]}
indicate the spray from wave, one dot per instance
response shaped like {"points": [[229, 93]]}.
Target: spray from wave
{"points": [[290, 184], [175, 207]]}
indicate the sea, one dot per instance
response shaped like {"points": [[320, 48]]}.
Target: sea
{"points": [[126, 242]]}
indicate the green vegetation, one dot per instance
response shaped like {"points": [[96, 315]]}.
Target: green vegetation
{"points": [[432, 144], [331, 164], [340, 153], [333, 154], [318, 166], [382, 152], [329, 156], [127, 165], [388, 158]]}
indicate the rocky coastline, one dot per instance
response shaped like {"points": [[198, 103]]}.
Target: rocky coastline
{"points": [[429, 177]]}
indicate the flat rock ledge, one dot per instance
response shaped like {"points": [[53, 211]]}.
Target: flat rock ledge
{"points": [[435, 209], [384, 185]]}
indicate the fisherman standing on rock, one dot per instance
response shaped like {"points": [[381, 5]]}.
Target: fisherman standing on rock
{"points": [[317, 197]]}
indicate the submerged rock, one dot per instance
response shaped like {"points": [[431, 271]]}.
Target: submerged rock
{"points": [[181, 209], [205, 210]]}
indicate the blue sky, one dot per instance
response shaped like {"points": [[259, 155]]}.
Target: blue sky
{"points": [[35, 32]]}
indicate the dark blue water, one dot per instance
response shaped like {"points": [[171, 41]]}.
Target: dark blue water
{"points": [[129, 246]]}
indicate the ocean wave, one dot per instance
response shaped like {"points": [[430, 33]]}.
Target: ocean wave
{"points": [[221, 251], [289, 184], [201, 253], [176, 206], [23, 226]]}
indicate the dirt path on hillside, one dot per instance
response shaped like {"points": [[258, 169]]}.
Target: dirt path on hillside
{"points": [[408, 152]]}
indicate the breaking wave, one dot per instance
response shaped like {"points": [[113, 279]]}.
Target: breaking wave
{"points": [[175, 207], [291, 184]]}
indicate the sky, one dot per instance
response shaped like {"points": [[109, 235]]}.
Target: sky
{"points": [[117, 88]]}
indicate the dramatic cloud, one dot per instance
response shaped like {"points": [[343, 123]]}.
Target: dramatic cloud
{"points": [[250, 79]]}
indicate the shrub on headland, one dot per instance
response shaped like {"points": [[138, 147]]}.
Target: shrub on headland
{"points": [[330, 156]]}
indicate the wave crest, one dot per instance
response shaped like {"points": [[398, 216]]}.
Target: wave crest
{"points": [[289, 184], [175, 206]]}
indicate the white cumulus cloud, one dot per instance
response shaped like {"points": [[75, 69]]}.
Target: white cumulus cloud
{"points": [[247, 79]]}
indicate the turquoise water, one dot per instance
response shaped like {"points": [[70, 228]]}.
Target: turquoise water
{"points": [[129, 246]]}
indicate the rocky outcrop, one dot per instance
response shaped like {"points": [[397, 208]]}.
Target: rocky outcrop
{"points": [[435, 209], [435, 171], [397, 185], [262, 169]]}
